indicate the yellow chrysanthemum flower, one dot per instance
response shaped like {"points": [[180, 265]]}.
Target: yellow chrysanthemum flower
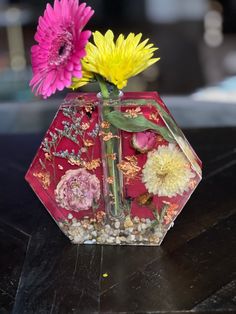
{"points": [[86, 78], [117, 61], [167, 172]]}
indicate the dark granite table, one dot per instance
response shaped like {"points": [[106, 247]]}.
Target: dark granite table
{"points": [[193, 270]]}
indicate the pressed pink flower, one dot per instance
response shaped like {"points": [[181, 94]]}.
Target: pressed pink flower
{"points": [[61, 45], [144, 141], [77, 190]]}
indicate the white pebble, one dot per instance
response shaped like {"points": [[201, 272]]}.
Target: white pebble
{"points": [[117, 224], [131, 238], [94, 233], [143, 226], [110, 240], [118, 240]]}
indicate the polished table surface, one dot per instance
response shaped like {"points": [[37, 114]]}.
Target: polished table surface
{"points": [[192, 271]]}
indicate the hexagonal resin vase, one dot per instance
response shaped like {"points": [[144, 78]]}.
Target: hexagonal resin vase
{"points": [[114, 173]]}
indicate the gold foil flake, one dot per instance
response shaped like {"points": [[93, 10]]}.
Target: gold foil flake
{"points": [[154, 117], [83, 150], [192, 184], [91, 165], [111, 156], [144, 199], [88, 143], [107, 136], [88, 108], [129, 167], [159, 138], [105, 125], [128, 222], [85, 126], [48, 156], [74, 162], [44, 178], [110, 180], [112, 197], [171, 213], [133, 113], [100, 215]]}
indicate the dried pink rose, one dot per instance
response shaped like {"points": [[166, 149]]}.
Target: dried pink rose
{"points": [[77, 190], [144, 141]]}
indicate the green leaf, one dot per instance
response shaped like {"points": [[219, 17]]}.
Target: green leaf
{"points": [[164, 115], [138, 124]]}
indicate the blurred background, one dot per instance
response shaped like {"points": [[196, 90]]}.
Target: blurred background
{"points": [[196, 75]]}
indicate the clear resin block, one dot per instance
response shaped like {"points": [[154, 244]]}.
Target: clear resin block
{"points": [[116, 172]]}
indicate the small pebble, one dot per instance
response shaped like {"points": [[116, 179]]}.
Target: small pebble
{"points": [[117, 224], [93, 241], [94, 233], [143, 226], [123, 239], [128, 222], [110, 240], [118, 241], [90, 227], [148, 221], [131, 238]]}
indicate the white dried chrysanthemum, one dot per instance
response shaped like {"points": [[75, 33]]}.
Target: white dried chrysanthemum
{"points": [[167, 172]]}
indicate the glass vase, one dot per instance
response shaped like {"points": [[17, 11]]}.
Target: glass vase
{"points": [[131, 147], [111, 147]]}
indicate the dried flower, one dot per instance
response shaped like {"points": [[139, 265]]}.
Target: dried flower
{"points": [[89, 108], [85, 126], [105, 125], [91, 165], [60, 46], [100, 215], [144, 141], [88, 143], [167, 171], [48, 156], [77, 190], [133, 113], [110, 180], [129, 167], [111, 156], [107, 136], [74, 161], [44, 178], [171, 212], [144, 199]]}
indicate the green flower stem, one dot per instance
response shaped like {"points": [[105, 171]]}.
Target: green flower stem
{"points": [[110, 148]]}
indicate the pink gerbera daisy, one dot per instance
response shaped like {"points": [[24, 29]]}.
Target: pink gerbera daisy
{"points": [[61, 45]]}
